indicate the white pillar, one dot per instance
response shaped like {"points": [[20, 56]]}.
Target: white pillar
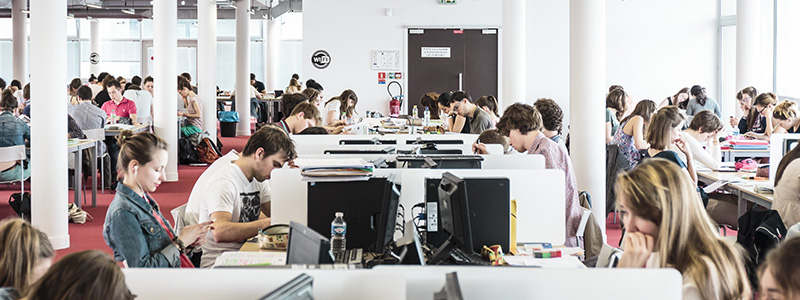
{"points": [[273, 43], [207, 70], [514, 53], [243, 66], [49, 167], [748, 38], [19, 42], [165, 47], [95, 46], [587, 79]]}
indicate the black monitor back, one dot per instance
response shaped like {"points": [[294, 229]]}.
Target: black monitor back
{"points": [[360, 201], [438, 142], [307, 246], [490, 210]]}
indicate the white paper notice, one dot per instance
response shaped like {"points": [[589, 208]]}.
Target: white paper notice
{"points": [[436, 52]]}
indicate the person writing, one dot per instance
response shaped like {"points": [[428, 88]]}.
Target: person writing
{"points": [[455, 122], [340, 108], [479, 120], [134, 227], [119, 106]]}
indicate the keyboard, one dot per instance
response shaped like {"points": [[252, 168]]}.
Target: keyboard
{"points": [[439, 157], [463, 258], [350, 256]]}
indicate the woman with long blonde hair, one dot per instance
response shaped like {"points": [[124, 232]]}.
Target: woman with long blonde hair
{"points": [[667, 227], [25, 255]]}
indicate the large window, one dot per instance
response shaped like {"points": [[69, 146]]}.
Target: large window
{"points": [[787, 44]]}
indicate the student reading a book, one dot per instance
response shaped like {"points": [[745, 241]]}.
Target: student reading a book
{"points": [[667, 227], [764, 105]]}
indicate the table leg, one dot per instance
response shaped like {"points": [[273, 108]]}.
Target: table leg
{"points": [[93, 164], [77, 180]]}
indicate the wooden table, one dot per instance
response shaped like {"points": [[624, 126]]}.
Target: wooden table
{"points": [[744, 189], [75, 148], [135, 129]]}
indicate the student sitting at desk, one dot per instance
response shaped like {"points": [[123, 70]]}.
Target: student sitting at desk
{"points": [[134, 227], [339, 108], [786, 199], [630, 136], [85, 275], [764, 106], [25, 255], [489, 105], [668, 228], [751, 118], [289, 101], [461, 103], [429, 100], [13, 132], [121, 107], [194, 108], [703, 132], [617, 103], [490, 136], [303, 115], [552, 117], [314, 96], [522, 124], [787, 116], [778, 274], [455, 122], [237, 200], [665, 130]]}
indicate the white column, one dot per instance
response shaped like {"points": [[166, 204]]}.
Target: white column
{"points": [[513, 53], [243, 66], [748, 37], [207, 70], [49, 166], [165, 47], [95, 46], [587, 80], [273, 44], [19, 42]]}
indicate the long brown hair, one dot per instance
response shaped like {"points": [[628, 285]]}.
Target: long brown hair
{"points": [[683, 104], [785, 161], [645, 109], [488, 101], [429, 100], [22, 247], [89, 275], [664, 120], [617, 99], [763, 99], [657, 191], [343, 108]]}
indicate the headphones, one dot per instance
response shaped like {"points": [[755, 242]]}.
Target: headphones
{"points": [[135, 169]]}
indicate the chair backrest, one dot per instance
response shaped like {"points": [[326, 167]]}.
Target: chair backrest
{"points": [[95, 134], [12, 153], [608, 257]]}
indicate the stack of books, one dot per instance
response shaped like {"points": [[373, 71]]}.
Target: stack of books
{"points": [[749, 145], [335, 169]]}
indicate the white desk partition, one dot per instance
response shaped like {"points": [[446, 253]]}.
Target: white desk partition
{"points": [[333, 139], [536, 283], [170, 284], [513, 161], [776, 147], [320, 149], [539, 194]]}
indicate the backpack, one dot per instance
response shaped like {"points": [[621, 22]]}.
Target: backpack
{"points": [[21, 203], [206, 152], [187, 154], [759, 232]]}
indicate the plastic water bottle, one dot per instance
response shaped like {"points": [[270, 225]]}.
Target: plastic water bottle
{"points": [[338, 231], [426, 121], [113, 117], [415, 112]]}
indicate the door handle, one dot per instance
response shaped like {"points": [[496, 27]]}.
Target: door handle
{"points": [[460, 81]]}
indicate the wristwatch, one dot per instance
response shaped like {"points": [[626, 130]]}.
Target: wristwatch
{"points": [[177, 241]]}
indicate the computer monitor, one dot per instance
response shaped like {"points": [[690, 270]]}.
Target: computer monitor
{"points": [[788, 145], [307, 247], [299, 288], [454, 213], [420, 141], [433, 161], [451, 289], [414, 255], [490, 210], [388, 217], [374, 141], [440, 151], [361, 202], [779, 145], [386, 150]]}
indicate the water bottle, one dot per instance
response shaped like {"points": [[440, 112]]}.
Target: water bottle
{"points": [[426, 121], [113, 117], [338, 231], [415, 112]]}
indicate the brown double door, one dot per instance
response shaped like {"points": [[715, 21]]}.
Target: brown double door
{"points": [[441, 60]]}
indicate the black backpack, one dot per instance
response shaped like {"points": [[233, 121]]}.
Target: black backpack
{"points": [[21, 203], [759, 232], [187, 153]]}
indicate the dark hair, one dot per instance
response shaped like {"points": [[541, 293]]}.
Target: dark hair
{"points": [[458, 96], [552, 116], [311, 93], [133, 87], [120, 79], [615, 87], [102, 76], [108, 80], [444, 98], [664, 120], [705, 120], [2, 84], [618, 99], [763, 99], [783, 263], [488, 101], [148, 79], [187, 76], [491, 136], [139, 147], [429, 100], [184, 83], [22, 247], [16, 83], [75, 83], [112, 82], [289, 101], [136, 80], [272, 140], [522, 117], [699, 93], [311, 83], [8, 102], [84, 93], [309, 111], [645, 109], [346, 94], [295, 76], [683, 104], [92, 78], [785, 161], [252, 76], [26, 91], [314, 130], [88, 275]]}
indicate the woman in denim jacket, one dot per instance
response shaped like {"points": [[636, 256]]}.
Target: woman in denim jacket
{"points": [[13, 131], [134, 228]]}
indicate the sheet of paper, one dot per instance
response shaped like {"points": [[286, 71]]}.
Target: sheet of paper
{"points": [[232, 259], [718, 184], [569, 262]]}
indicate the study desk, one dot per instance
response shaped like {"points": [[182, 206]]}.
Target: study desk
{"points": [[744, 190], [731, 155], [117, 130], [75, 148]]}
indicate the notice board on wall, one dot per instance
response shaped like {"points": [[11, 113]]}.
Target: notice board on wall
{"points": [[386, 59]]}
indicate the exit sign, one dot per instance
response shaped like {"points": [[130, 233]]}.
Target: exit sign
{"points": [[447, 1]]}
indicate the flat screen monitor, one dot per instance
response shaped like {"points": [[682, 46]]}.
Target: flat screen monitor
{"points": [[451, 289], [438, 142], [368, 142], [360, 201], [387, 150], [307, 247], [454, 210], [299, 288], [440, 151], [788, 145], [388, 217]]}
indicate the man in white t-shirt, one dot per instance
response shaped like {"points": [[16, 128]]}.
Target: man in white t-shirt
{"points": [[237, 200]]}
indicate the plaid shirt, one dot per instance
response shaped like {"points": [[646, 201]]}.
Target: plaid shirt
{"points": [[556, 157]]}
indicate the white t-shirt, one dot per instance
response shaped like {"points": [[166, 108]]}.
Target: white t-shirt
{"points": [[231, 192], [143, 101], [191, 216], [333, 106]]}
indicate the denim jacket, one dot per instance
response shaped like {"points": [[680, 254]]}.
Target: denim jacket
{"points": [[135, 236], [13, 131]]}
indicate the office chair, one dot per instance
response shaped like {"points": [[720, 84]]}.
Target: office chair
{"points": [[14, 153], [99, 134]]}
